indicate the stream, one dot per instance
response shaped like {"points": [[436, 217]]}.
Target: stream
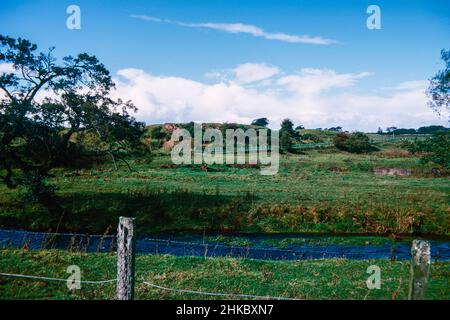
{"points": [[252, 246]]}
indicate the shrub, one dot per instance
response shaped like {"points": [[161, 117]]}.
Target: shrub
{"points": [[435, 148], [159, 133], [287, 126], [357, 142], [311, 137], [285, 142], [262, 122]]}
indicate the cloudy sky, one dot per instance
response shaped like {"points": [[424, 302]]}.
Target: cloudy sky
{"points": [[315, 62]]}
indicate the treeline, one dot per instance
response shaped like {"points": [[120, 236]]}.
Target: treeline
{"points": [[422, 130]]}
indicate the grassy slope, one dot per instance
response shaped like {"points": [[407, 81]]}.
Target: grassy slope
{"points": [[314, 279], [321, 190]]}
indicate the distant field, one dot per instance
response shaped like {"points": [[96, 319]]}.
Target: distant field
{"points": [[317, 190], [396, 138], [304, 279]]}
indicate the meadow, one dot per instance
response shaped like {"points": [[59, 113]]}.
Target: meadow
{"points": [[302, 279], [316, 190]]}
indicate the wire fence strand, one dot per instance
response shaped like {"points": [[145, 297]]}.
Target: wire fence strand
{"points": [[32, 277], [216, 294], [198, 292]]}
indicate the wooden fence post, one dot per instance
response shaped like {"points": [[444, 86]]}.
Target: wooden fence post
{"points": [[420, 269], [125, 258]]}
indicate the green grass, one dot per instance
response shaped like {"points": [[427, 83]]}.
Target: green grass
{"points": [[335, 240], [317, 191], [312, 279], [285, 242], [231, 241]]}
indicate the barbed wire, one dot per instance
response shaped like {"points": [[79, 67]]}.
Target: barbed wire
{"points": [[58, 233], [308, 248], [216, 294], [14, 275]]}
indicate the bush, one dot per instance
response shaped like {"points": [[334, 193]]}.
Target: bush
{"points": [[357, 142], [435, 148], [262, 122], [159, 133], [311, 137], [287, 126], [285, 142]]}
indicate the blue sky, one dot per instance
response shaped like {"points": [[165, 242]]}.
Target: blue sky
{"points": [[187, 45]]}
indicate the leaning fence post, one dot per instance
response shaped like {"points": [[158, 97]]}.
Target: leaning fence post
{"points": [[125, 258], [420, 269]]}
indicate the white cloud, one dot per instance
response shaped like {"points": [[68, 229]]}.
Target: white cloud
{"points": [[251, 72], [245, 73], [412, 85], [147, 18], [244, 28], [312, 97], [314, 81], [6, 68]]}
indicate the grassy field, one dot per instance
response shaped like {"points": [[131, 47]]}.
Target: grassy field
{"points": [[310, 279], [315, 191]]}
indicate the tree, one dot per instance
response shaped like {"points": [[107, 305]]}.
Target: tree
{"points": [[439, 88], [76, 121], [335, 129], [431, 129], [285, 142], [158, 132], [391, 130], [287, 126], [299, 127], [340, 141], [433, 149], [356, 142], [404, 131], [262, 122]]}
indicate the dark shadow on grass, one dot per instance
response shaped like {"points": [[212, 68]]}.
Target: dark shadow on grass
{"points": [[154, 210]]}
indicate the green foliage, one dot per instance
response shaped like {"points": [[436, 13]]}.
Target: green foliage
{"points": [[159, 133], [286, 142], [311, 137], [287, 126], [322, 190], [335, 129], [262, 122], [431, 129], [356, 142], [302, 279], [188, 126], [439, 89], [36, 137], [436, 148], [404, 131], [422, 130]]}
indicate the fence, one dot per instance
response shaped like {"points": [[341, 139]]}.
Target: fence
{"points": [[126, 248]]}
